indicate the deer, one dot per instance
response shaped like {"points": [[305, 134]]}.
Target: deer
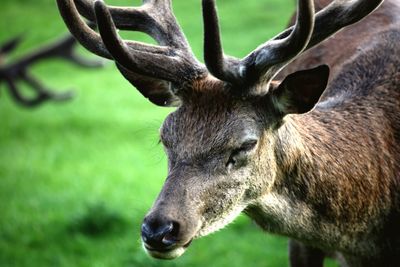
{"points": [[11, 73], [302, 135]]}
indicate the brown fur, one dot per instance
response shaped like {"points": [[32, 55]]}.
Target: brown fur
{"points": [[337, 166], [328, 178], [358, 122]]}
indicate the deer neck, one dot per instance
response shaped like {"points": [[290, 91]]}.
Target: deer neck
{"points": [[319, 194], [283, 208]]}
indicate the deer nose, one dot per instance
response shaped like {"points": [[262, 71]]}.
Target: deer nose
{"points": [[159, 235]]}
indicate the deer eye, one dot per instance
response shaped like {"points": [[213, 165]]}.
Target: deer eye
{"points": [[238, 155]]}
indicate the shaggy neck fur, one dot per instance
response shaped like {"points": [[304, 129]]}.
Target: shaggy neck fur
{"points": [[333, 186]]}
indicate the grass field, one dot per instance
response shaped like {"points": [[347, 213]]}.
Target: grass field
{"points": [[77, 178]]}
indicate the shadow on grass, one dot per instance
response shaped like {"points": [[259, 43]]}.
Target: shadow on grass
{"points": [[97, 220]]}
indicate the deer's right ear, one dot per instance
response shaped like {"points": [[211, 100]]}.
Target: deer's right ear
{"points": [[300, 91], [156, 90]]}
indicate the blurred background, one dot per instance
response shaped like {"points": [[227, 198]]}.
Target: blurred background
{"points": [[77, 177]]}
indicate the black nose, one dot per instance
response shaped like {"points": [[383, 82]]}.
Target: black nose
{"points": [[158, 234]]}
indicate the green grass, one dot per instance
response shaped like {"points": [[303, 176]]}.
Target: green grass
{"points": [[77, 178]]}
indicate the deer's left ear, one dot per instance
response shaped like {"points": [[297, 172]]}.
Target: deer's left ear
{"points": [[300, 91]]}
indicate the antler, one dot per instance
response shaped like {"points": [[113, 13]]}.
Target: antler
{"points": [[171, 60], [154, 68], [262, 64], [18, 70], [10, 45]]}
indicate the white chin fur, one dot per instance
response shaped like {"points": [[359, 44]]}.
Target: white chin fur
{"points": [[217, 225], [213, 227], [169, 255]]}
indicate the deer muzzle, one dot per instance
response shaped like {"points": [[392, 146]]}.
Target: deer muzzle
{"points": [[165, 236], [172, 222]]}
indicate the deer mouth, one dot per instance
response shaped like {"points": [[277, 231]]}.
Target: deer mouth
{"points": [[167, 253]]}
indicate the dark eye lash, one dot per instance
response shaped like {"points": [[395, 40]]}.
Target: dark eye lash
{"points": [[247, 146]]}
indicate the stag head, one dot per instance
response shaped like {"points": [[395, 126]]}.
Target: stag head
{"points": [[221, 139]]}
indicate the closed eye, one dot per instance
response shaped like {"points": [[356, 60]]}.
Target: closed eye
{"points": [[243, 149], [247, 146]]}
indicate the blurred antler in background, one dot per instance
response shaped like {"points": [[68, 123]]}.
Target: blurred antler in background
{"points": [[18, 70]]}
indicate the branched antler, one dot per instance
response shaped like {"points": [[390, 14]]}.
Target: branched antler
{"points": [[16, 71], [259, 67], [156, 69]]}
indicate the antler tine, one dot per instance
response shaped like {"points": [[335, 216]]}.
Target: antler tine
{"points": [[90, 39], [120, 52], [10, 45], [143, 19], [328, 21], [16, 71], [170, 66], [125, 18], [269, 58], [82, 32], [223, 67], [262, 62], [64, 48], [163, 26], [172, 60], [261, 65], [338, 15]]}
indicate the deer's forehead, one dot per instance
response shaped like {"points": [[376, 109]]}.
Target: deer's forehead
{"points": [[210, 125]]}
